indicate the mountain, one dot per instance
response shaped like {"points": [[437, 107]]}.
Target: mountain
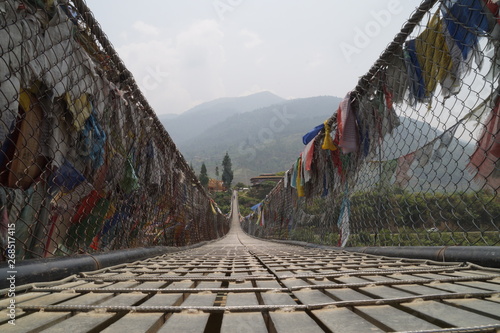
{"points": [[445, 169], [167, 117], [269, 140], [265, 140], [195, 121]]}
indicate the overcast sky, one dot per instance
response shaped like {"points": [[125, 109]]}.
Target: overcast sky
{"points": [[186, 52]]}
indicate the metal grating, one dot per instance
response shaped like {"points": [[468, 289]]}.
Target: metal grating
{"points": [[242, 284]]}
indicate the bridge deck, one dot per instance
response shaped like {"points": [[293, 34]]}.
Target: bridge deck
{"points": [[241, 284]]}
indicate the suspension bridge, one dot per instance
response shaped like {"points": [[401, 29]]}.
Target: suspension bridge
{"points": [[243, 284], [382, 223]]}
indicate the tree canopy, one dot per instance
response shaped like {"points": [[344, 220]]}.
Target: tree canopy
{"points": [[227, 171], [203, 175]]}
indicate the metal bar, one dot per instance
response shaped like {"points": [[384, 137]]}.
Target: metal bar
{"points": [[487, 256], [483, 329], [396, 282], [381, 272], [256, 289], [159, 290], [239, 279], [258, 308]]}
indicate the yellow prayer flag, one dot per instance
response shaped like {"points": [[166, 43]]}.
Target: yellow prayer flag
{"points": [[327, 141]]}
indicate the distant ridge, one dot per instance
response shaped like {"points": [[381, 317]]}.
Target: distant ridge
{"points": [[265, 140], [241, 103], [268, 139], [197, 119]]}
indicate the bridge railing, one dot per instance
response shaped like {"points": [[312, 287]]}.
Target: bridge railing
{"points": [[412, 155], [85, 164]]}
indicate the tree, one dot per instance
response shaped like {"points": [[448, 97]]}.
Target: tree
{"points": [[227, 171], [217, 172], [203, 175]]}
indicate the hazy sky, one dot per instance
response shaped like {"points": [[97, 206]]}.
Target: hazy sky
{"points": [[186, 52]]}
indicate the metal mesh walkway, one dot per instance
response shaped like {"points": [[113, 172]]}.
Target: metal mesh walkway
{"points": [[241, 284]]}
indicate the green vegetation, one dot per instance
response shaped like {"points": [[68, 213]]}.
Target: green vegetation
{"points": [[253, 196], [223, 200], [421, 237], [227, 171], [239, 186], [460, 211], [385, 237], [394, 217], [398, 218], [245, 202]]}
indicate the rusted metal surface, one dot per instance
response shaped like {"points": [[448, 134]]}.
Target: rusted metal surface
{"points": [[242, 284]]}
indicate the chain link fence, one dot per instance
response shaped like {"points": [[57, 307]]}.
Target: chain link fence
{"points": [[412, 155], [85, 164]]}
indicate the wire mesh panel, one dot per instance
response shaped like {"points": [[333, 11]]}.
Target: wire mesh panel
{"points": [[85, 164], [412, 155]]}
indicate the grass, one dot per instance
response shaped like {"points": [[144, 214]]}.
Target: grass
{"points": [[388, 238]]}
